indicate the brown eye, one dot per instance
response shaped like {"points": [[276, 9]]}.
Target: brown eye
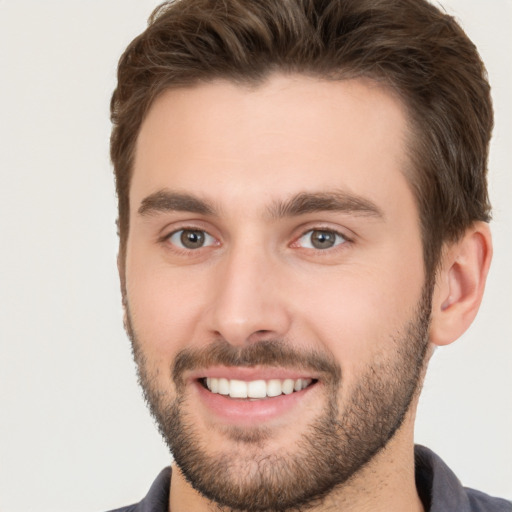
{"points": [[191, 239], [321, 239]]}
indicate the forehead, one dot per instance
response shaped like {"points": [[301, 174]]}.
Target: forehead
{"points": [[288, 135]]}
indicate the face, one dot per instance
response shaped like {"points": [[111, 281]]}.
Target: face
{"points": [[274, 284]]}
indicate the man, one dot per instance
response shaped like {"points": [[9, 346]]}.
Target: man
{"points": [[303, 217]]}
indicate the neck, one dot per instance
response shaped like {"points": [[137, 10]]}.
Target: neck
{"points": [[387, 482]]}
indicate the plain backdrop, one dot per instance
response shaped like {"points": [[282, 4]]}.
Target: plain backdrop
{"points": [[74, 431]]}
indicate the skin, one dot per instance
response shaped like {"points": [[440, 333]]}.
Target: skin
{"points": [[241, 151]]}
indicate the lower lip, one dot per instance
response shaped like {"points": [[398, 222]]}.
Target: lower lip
{"points": [[238, 411]]}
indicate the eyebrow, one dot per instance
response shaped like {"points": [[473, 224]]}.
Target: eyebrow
{"points": [[165, 201], [300, 204], [337, 201]]}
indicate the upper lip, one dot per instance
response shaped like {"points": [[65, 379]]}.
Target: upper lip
{"points": [[251, 373]]}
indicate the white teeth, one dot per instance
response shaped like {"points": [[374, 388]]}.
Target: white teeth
{"points": [[223, 388], [301, 384], [237, 389], [214, 385], [274, 387], [288, 386], [255, 388]]}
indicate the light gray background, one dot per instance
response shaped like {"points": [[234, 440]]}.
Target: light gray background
{"points": [[74, 432]]}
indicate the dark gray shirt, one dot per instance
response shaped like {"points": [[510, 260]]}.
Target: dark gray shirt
{"points": [[438, 488]]}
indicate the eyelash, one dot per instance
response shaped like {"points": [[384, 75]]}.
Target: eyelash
{"points": [[166, 239], [337, 242]]}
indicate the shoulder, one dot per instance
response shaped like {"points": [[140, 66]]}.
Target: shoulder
{"points": [[130, 508], [157, 498], [481, 502], [441, 491]]}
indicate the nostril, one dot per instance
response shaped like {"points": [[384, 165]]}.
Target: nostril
{"points": [[262, 335]]}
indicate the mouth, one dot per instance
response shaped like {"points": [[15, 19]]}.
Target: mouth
{"points": [[255, 389], [253, 396]]}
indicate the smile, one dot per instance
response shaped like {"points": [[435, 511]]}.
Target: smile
{"points": [[253, 396], [255, 389]]}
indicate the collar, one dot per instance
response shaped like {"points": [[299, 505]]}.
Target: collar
{"points": [[438, 487]]}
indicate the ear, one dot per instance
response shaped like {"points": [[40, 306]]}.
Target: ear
{"points": [[460, 284]]}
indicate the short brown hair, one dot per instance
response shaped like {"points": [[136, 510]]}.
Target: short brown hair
{"points": [[409, 46]]}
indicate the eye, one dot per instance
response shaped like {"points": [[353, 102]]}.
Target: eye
{"points": [[191, 239], [320, 239]]}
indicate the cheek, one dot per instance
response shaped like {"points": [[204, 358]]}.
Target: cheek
{"points": [[357, 315], [165, 306]]}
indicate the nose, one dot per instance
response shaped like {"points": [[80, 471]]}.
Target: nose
{"points": [[249, 302]]}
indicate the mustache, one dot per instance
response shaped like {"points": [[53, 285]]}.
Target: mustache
{"points": [[269, 353]]}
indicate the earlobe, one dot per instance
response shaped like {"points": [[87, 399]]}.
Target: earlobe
{"points": [[460, 284]]}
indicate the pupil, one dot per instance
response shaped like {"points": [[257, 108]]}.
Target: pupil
{"points": [[322, 239], [192, 239]]}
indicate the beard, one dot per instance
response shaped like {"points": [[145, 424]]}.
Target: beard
{"points": [[341, 441]]}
